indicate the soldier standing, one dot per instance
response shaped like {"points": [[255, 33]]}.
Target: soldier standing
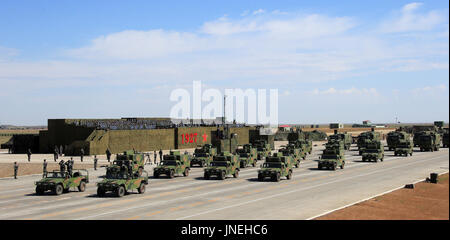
{"points": [[44, 168], [16, 169], [95, 162], [155, 156], [160, 155], [60, 150], [62, 166], [55, 154], [29, 154], [108, 155], [82, 154]]}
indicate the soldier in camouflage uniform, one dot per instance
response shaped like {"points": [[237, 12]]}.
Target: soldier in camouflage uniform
{"points": [[95, 162], [16, 169], [62, 166], [108, 155], [82, 154], [29, 154], [44, 168]]}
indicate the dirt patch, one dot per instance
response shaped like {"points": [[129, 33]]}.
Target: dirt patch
{"points": [[7, 169], [426, 201]]}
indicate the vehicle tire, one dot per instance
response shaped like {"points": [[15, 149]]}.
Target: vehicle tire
{"points": [[254, 164], [342, 165], [319, 166], [278, 177], [333, 167], [260, 178], [395, 153], [171, 174], [206, 176], [120, 191], [289, 176], [82, 186], [141, 188], [66, 190], [363, 159], [421, 149], [100, 192], [410, 154], [376, 159], [222, 175], [39, 191], [155, 175], [58, 190], [360, 153], [296, 165], [186, 172], [382, 158], [236, 174]]}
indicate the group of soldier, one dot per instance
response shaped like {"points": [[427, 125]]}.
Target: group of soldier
{"points": [[155, 157], [69, 165]]}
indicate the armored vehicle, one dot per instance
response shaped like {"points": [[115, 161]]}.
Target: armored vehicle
{"points": [[203, 155], [174, 163], [59, 182], [332, 156], [276, 167], [365, 138], [247, 155], [119, 182], [337, 145], [374, 151], [394, 138], [429, 141], [445, 138], [263, 148], [223, 165], [133, 161], [295, 153], [306, 145], [405, 147], [345, 137], [224, 141]]}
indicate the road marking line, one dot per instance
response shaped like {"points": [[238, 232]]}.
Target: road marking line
{"points": [[153, 213]]}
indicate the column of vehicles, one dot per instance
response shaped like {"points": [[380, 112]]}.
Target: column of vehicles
{"points": [[127, 173]]}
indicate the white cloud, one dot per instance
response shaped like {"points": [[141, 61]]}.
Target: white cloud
{"points": [[438, 89], [350, 91], [410, 20], [259, 11]]}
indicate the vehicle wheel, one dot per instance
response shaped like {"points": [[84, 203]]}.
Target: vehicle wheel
{"points": [[363, 159], [333, 167], [296, 165], [222, 175], [376, 160], [66, 190], [206, 176], [254, 164], [410, 154], [58, 190], [289, 176], [342, 165], [421, 149], [82, 186], [39, 191], [260, 178], [319, 167], [120, 191], [395, 154], [382, 158], [186, 172], [141, 188], [171, 174], [278, 177], [236, 174], [155, 175], [100, 192], [360, 153]]}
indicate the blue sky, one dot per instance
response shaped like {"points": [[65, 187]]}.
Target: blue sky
{"points": [[343, 62]]}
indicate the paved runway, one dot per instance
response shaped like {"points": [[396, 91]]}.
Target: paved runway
{"points": [[309, 193]]}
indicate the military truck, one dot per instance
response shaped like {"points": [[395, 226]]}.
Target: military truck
{"points": [[203, 155], [224, 140], [120, 181], [429, 141], [133, 161], [445, 138], [332, 156], [306, 145], [373, 151], [60, 182], [294, 152], [366, 138], [345, 137], [247, 155], [173, 164], [404, 146], [263, 148], [275, 167], [223, 165], [337, 145], [394, 138]]}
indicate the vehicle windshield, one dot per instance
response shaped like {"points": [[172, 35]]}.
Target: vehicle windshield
{"points": [[200, 154], [116, 175], [329, 156], [272, 165], [169, 163], [219, 164], [169, 157], [371, 150], [56, 175], [243, 155]]}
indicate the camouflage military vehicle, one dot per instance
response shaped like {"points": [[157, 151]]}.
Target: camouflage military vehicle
{"points": [[337, 145], [295, 153], [345, 137], [429, 141], [120, 182], [224, 141], [172, 164], [332, 156], [373, 151], [247, 155], [131, 160], [203, 155], [59, 182], [366, 138], [405, 147], [416, 138], [306, 145], [445, 138], [394, 138], [223, 165], [276, 167], [263, 148]]}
